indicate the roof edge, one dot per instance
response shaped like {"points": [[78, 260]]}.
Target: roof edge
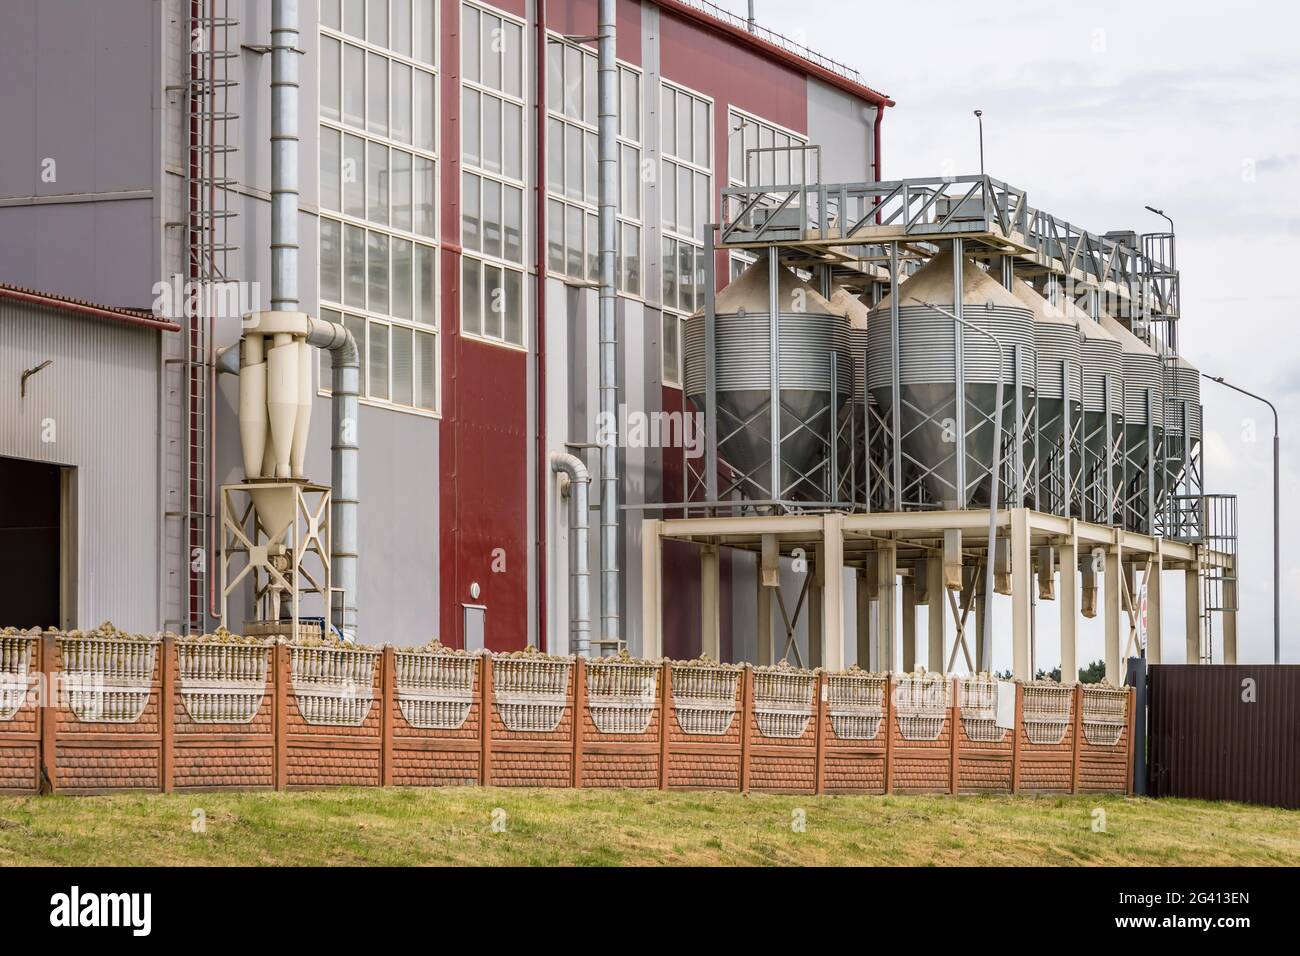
{"points": [[81, 307]]}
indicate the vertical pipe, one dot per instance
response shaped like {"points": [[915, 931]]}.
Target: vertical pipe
{"points": [[607, 95], [710, 371], [895, 385], [284, 155], [959, 380], [774, 357]]}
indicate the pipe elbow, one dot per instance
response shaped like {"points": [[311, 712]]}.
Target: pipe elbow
{"points": [[571, 465]]}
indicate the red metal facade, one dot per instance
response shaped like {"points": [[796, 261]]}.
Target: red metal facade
{"points": [[1225, 732]]}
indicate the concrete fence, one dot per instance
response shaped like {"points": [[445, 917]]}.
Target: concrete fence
{"points": [[170, 715]]}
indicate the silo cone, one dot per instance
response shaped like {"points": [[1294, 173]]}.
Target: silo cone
{"points": [[810, 332], [928, 373]]}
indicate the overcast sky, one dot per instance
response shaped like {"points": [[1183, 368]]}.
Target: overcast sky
{"points": [[1097, 110]]}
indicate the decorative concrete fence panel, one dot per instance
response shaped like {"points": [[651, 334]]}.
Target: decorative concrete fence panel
{"points": [[331, 726], [619, 742], [530, 734], [223, 715], [20, 726], [782, 743], [854, 708], [435, 710], [1104, 760], [986, 751], [109, 718], [1048, 735], [922, 741], [705, 743]]}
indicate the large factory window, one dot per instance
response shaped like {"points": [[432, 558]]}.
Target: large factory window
{"points": [[686, 205], [379, 193], [492, 183], [571, 168], [746, 132]]}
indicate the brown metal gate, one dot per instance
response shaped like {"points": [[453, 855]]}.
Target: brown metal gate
{"points": [[1225, 732]]}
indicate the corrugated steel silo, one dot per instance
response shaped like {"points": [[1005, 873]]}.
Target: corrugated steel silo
{"points": [[1144, 418]]}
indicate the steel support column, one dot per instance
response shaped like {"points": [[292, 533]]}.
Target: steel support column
{"points": [[937, 609], [1021, 608], [1068, 596], [831, 568]]}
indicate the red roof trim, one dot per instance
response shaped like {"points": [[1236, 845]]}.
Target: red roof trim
{"points": [[776, 52], [126, 316]]}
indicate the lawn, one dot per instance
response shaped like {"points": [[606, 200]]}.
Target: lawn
{"points": [[584, 827]]}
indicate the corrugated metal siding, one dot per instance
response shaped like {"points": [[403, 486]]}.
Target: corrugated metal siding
{"points": [[100, 396], [1208, 742]]}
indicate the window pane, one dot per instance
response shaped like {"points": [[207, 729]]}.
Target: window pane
{"points": [[554, 236], [491, 43], [703, 205], [377, 268], [765, 164], [331, 260], [686, 276], [573, 162], [426, 111], [354, 176], [555, 76], [554, 156], [668, 263], [471, 297], [401, 280], [378, 360], [492, 134], [573, 82], [469, 124], [377, 27], [590, 109], [593, 248], [512, 212], [401, 27], [330, 144], [471, 236], [493, 301], [514, 305], [330, 82], [685, 219], [354, 86], [354, 266], [426, 371], [491, 217], [590, 167], [684, 126], [573, 241], [630, 252], [423, 189], [670, 349], [469, 47], [377, 84], [630, 99], [668, 204], [329, 14], [702, 137], [668, 120], [512, 55], [735, 148], [751, 142], [401, 190], [425, 36], [403, 384], [354, 18], [425, 285], [513, 133], [630, 192], [401, 102], [377, 187]]}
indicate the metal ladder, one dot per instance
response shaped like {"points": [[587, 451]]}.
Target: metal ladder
{"points": [[209, 128]]}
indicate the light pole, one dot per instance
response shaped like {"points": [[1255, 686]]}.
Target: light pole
{"points": [[1277, 529], [979, 116], [986, 650]]}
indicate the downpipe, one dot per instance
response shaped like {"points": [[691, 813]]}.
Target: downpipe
{"points": [[571, 466]]}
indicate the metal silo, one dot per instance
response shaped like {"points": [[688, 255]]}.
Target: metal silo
{"points": [[1144, 418], [811, 341], [1058, 401], [1183, 415], [1103, 415], [947, 379]]}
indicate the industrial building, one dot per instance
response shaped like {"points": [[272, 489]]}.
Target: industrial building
{"points": [[356, 251]]}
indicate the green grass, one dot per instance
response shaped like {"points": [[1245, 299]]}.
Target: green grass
{"points": [[585, 827]]}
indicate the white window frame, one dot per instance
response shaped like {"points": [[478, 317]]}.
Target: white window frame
{"points": [[741, 257], [392, 232], [484, 259]]}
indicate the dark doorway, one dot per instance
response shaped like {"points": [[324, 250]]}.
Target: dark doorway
{"points": [[30, 536]]}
